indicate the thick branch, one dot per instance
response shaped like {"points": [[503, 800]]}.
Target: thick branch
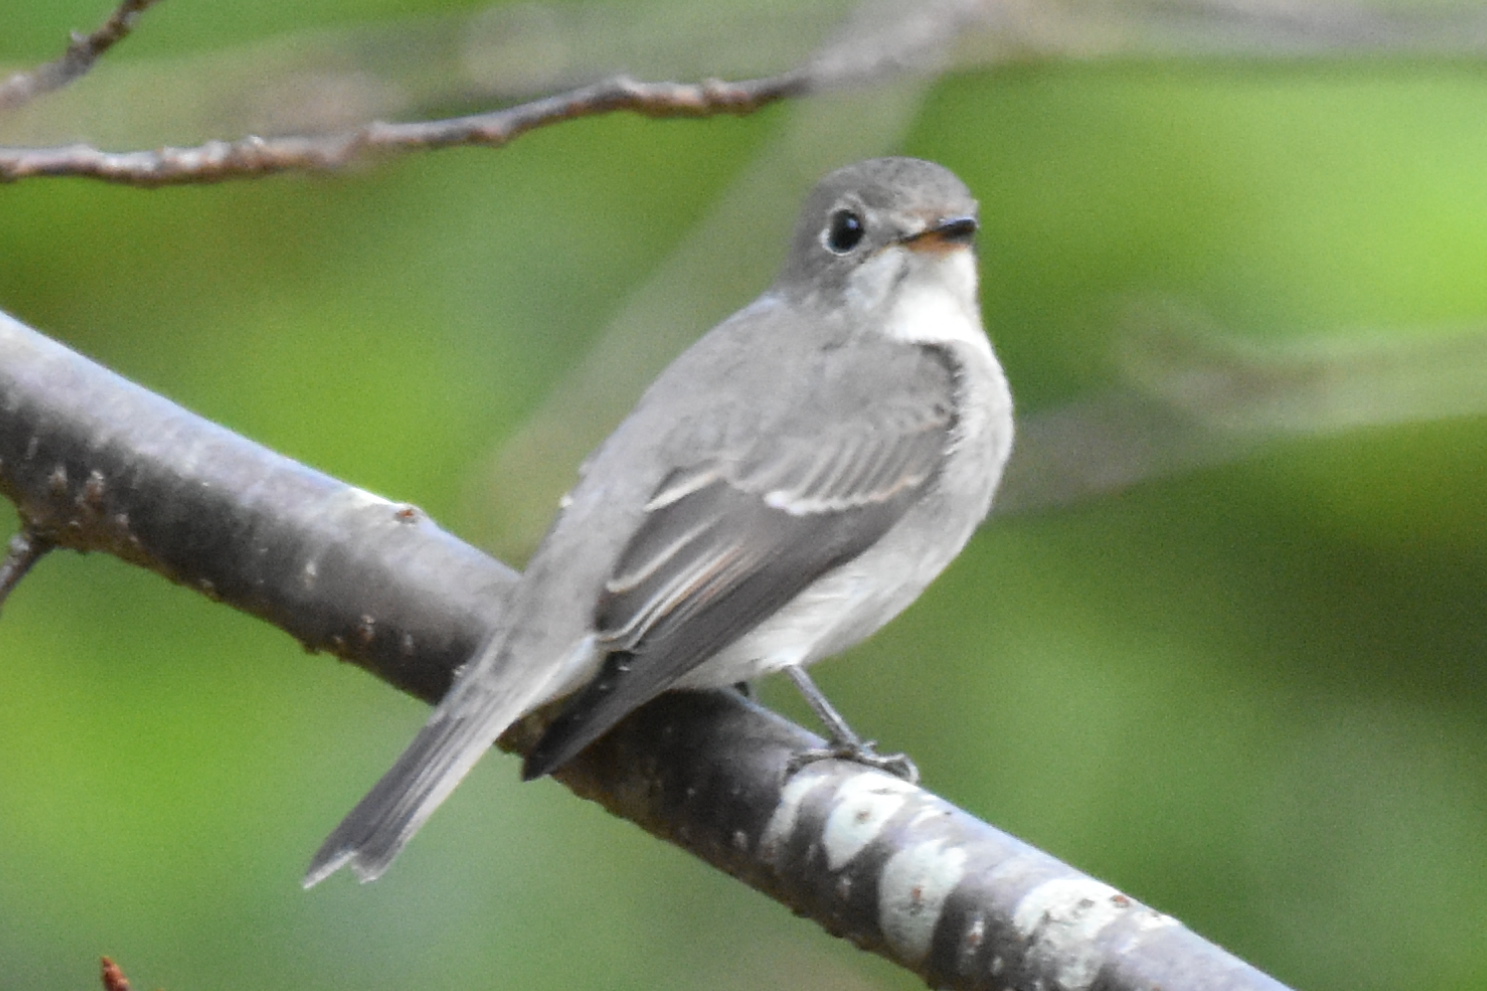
{"points": [[81, 54], [888, 865], [97, 463]]}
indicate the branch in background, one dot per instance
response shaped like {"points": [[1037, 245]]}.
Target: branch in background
{"points": [[884, 48], [254, 156], [81, 54], [332, 82], [331, 79], [1310, 386], [1196, 397], [94, 462]]}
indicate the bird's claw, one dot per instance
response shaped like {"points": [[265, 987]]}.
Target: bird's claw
{"points": [[898, 765]]}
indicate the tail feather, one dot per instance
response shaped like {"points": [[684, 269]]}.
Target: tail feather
{"points": [[382, 823], [459, 733]]}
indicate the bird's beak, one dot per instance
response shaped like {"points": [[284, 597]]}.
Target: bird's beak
{"points": [[944, 235]]}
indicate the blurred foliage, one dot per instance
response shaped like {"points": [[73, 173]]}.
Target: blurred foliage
{"points": [[1253, 695]]}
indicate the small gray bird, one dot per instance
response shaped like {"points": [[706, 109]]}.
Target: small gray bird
{"points": [[788, 485]]}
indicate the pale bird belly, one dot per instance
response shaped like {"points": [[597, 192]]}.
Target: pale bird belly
{"points": [[844, 606], [838, 611], [851, 603]]}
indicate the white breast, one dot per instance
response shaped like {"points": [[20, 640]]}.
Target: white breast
{"points": [[935, 304]]}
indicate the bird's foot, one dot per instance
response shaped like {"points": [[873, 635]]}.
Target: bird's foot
{"points": [[858, 752]]}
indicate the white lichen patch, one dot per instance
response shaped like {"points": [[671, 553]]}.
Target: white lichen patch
{"points": [[972, 937], [1062, 919], [926, 815], [786, 814], [912, 892], [861, 807]]}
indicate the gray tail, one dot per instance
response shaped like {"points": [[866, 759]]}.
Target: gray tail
{"points": [[373, 833], [476, 711], [484, 701]]}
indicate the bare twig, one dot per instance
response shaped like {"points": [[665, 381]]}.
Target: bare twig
{"points": [[26, 548], [332, 78], [869, 48], [990, 32], [80, 57], [255, 156]]}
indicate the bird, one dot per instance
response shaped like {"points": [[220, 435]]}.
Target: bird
{"points": [[789, 484]]}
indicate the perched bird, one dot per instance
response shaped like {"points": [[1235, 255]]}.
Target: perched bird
{"points": [[788, 485]]}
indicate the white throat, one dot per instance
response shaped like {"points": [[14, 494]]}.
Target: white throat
{"points": [[934, 299], [923, 297]]}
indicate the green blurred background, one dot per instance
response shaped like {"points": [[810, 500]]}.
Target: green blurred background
{"points": [[1251, 694]]}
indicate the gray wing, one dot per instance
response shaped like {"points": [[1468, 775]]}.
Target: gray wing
{"points": [[726, 543]]}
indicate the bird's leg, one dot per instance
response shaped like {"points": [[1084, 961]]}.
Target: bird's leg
{"points": [[844, 744]]}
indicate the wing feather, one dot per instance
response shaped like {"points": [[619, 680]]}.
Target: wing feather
{"points": [[726, 543]]}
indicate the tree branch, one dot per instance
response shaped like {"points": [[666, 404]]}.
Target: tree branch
{"points": [[80, 57], [875, 49], [216, 161], [327, 85], [26, 548], [94, 462]]}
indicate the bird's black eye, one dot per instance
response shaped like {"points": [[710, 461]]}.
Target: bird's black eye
{"points": [[843, 232]]}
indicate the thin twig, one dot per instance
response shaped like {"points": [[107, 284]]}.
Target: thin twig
{"points": [[874, 50], [254, 156], [80, 57], [994, 33], [26, 548]]}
